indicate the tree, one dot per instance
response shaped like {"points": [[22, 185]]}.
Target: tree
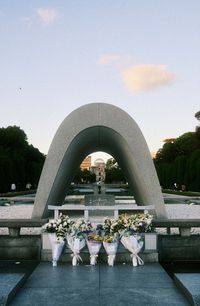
{"points": [[197, 116], [113, 172], [111, 162], [183, 145], [168, 152], [178, 161], [20, 163], [84, 176]]}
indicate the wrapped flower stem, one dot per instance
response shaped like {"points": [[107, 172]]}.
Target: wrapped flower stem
{"points": [[132, 245], [76, 245], [57, 247], [94, 248], [111, 250]]}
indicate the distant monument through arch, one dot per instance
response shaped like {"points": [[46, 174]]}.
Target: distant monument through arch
{"points": [[98, 127]]}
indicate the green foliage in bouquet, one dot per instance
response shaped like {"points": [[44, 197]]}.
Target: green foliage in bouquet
{"points": [[137, 223], [80, 228], [60, 226]]}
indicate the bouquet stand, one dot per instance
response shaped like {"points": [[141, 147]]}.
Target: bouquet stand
{"points": [[57, 247]]}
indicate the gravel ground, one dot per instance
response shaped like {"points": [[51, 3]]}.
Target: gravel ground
{"points": [[175, 211]]}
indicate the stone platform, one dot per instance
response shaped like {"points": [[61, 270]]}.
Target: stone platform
{"points": [[121, 285], [189, 284]]}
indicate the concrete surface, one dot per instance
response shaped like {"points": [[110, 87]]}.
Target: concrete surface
{"points": [[189, 284], [98, 127], [9, 283], [121, 285], [20, 248]]}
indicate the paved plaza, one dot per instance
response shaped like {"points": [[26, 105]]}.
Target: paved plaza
{"points": [[101, 285]]}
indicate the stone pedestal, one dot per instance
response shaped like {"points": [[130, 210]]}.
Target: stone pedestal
{"points": [[150, 241]]}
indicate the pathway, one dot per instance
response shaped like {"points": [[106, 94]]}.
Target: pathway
{"points": [[121, 285]]}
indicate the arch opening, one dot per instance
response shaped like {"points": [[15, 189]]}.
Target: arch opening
{"points": [[121, 138]]}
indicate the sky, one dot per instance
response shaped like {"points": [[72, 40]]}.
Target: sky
{"points": [[142, 56]]}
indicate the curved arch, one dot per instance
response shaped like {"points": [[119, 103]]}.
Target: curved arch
{"points": [[98, 127]]}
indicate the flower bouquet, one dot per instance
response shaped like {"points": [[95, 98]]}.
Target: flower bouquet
{"points": [[143, 223], [56, 230], [76, 238], [110, 241], [110, 244], [133, 244], [94, 242], [129, 238]]}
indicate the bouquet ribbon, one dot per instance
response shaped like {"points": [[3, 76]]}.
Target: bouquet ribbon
{"points": [[93, 259], [111, 259], [76, 256], [94, 256], [136, 259]]}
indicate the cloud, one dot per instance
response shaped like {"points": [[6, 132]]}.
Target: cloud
{"points": [[108, 59], [146, 77], [47, 15]]}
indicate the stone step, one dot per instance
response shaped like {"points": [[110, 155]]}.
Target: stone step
{"points": [[189, 284], [121, 257], [121, 285], [10, 283]]}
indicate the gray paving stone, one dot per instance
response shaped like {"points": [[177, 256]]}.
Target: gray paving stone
{"points": [[128, 276], [58, 297], [121, 285], [189, 283], [9, 282], [140, 296], [64, 276]]}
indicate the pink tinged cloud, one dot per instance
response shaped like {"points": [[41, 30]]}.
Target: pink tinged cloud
{"points": [[47, 15], [139, 78], [108, 59]]}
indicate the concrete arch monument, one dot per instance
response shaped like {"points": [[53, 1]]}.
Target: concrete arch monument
{"points": [[98, 127]]}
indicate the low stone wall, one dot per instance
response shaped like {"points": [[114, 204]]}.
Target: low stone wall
{"points": [[179, 248], [25, 247], [35, 247]]}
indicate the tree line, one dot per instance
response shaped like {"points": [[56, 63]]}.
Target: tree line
{"points": [[20, 163], [178, 161]]}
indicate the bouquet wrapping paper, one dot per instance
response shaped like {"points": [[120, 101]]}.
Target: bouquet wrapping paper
{"points": [[134, 246], [57, 247], [94, 248], [111, 250], [76, 245]]}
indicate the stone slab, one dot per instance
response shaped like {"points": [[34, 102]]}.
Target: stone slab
{"points": [[189, 284], [9, 284], [121, 285], [20, 248]]}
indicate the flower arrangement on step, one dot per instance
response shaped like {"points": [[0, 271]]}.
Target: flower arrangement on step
{"points": [[76, 238], [111, 240], [80, 232], [130, 227], [94, 242], [57, 230]]}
